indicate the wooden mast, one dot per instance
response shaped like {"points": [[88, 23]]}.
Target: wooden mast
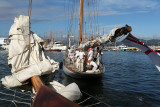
{"points": [[81, 21]]}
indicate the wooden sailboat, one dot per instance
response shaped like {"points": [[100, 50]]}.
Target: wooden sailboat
{"points": [[70, 69]]}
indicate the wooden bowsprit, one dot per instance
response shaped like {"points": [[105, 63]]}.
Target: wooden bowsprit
{"points": [[46, 97]]}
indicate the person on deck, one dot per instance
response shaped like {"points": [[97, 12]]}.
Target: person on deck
{"points": [[76, 53], [70, 55], [76, 58], [99, 56], [90, 55], [90, 61], [81, 60]]}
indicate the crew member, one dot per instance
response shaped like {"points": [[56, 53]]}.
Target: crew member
{"points": [[77, 58], [81, 60], [90, 55]]}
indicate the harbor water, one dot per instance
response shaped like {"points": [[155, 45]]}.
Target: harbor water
{"points": [[130, 79]]}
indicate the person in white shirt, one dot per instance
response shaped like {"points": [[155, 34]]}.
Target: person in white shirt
{"points": [[92, 63], [81, 60], [76, 58], [90, 55], [71, 55], [90, 58], [77, 53]]}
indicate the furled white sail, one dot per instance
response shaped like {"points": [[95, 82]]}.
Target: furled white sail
{"points": [[130, 40], [27, 59], [100, 40], [26, 62]]}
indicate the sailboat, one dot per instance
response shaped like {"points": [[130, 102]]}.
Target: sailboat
{"points": [[97, 67], [71, 69], [55, 45]]}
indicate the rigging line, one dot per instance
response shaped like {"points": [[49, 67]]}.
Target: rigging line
{"points": [[94, 9], [94, 17], [14, 101], [13, 96], [84, 100], [29, 14], [90, 19], [75, 23], [97, 99], [93, 104], [19, 92], [85, 15]]}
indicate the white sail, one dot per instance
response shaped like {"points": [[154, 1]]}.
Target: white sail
{"points": [[100, 40], [30, 61]]}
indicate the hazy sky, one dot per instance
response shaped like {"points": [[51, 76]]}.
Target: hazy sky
{"points": [[142, 15]]}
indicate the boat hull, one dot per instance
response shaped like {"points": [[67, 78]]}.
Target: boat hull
{"points": [[68, 71]]}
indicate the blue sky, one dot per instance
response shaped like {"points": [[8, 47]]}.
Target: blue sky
{"points": [[58, 15]]}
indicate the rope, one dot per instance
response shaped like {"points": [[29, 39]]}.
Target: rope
{"points": [[16, 101], [93, 104], [97, 99], [13, 96], [13, 100], [84, 100], [18, 92]]}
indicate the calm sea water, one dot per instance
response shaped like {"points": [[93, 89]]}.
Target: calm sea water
{"points": [[130, 80]]}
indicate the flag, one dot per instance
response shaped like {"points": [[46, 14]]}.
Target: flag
{"points": [[130, 40]]}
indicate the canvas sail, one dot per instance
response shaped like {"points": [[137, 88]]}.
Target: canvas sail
{"points": [[27, 59]]}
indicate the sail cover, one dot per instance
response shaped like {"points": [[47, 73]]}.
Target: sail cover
{"points": [[99, 40], [130, 40], [26, 57]]}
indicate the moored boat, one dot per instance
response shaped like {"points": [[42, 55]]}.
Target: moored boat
{"points": [[122, 48], [72, 70], [56, 46], [88, 66]]}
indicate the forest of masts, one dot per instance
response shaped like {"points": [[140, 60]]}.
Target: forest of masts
{"points": [[90, 24]]}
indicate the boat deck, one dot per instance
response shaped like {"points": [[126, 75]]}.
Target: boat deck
{"points": [[72, 67]]}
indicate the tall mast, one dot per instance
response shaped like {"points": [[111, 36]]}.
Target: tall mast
{"points": [[81, 21]]}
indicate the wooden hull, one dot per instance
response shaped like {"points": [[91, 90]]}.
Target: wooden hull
{"points": [[70, 72]]}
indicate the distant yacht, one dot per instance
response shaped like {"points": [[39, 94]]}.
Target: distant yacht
{"points": [[122, 48], [4, 43], [56, 46]]}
